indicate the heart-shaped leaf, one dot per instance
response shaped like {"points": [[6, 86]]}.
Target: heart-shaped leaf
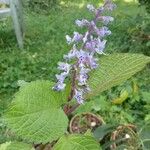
{"points": [[35, 113]]}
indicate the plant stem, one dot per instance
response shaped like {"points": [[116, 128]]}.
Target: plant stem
{"points": [[74, 74], [72, 109], [73, 84]]}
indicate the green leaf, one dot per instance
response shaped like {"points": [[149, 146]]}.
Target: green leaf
{"points": [[113, 70], [99, 103], [77, 142], [146, 97], [101, 131], [35, 113], [15, 146]]}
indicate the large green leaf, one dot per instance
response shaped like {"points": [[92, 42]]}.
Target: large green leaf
{"points": [[77, 142], [114, 69], [16, 146], [35, 113]]}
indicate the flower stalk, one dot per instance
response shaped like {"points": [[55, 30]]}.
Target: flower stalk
{"points": [[85, 48]]}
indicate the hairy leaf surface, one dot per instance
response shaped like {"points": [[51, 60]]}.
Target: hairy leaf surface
{"points": [[114, 69], [35, 113], [77, 142], [16, 146]]}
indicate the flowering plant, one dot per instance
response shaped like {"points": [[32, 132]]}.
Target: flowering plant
{"points": [[85, 48], [39, 115]]}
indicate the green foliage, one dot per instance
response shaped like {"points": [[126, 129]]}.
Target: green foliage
{"points": [[35, 114], [145, 136], [77, 142], [146, 3], [45, 46], [146, 97], [135, 109], [103, 130], [41, 5], [115, 69], [15, 146], [102, 104]]}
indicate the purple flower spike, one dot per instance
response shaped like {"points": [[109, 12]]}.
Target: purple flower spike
{"points": [[84, 51]]}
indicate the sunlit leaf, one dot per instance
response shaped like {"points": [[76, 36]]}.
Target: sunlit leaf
{"points": [[77, 142], [16, 146]]}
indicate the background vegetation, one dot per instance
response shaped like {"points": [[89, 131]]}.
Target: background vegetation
{"points": [[47, 22]]}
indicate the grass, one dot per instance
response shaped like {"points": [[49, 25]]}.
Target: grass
{"points": [[45, 42]]}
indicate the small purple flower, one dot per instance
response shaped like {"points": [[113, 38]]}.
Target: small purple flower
{"points": [[61, 77], [91, 8], [93, 25], [81, 55], [82, 77], [106, 19], [109, 5], [84, 70], [92, 62], [103, 31], [91, 45], [71, 54], [77, 37], [59, 86], [100, 46], [79, 96], [82, 23], [64, 66]]}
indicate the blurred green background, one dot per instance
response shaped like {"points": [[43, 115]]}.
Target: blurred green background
{"points": [[47, 22]]}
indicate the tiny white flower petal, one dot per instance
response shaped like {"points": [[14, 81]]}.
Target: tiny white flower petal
{"points": [[85, 37], [69, 39], [90, 7]]}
